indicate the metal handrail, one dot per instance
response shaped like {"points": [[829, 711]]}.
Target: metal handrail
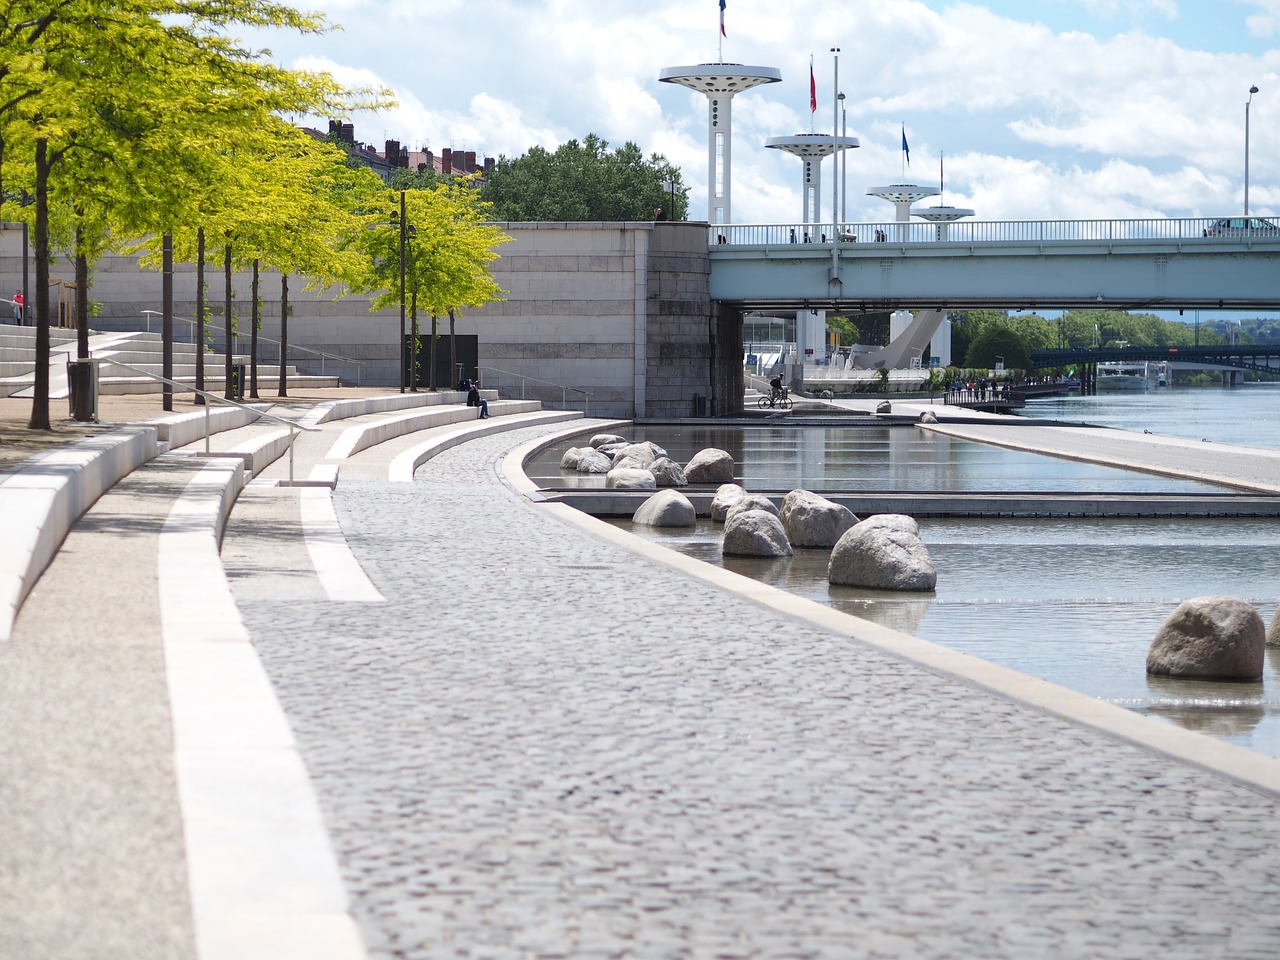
{"points": [[586, 403], [869, 235], [295, 347], [293, 426]]}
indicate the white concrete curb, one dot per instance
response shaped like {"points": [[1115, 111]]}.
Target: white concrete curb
{"points": [[46, 495], [264, 881]]}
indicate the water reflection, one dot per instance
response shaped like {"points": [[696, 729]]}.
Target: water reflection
{"points": [[1072, 601]]}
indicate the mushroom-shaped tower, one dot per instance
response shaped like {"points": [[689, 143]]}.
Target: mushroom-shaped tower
{"points": [[902, 196], [719, 82], [942, 216], [811, 148]]}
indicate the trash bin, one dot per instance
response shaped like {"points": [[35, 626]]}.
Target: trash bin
{"points": [[237, 381], [82, 389], [699, 405]]}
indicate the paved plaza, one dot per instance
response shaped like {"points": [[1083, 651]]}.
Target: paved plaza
{"points": [[541, 739]]}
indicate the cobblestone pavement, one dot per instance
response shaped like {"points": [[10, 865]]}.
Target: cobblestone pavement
{"points": [[546, 746]]}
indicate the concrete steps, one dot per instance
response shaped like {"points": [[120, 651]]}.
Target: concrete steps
{"points": [[141, 350]]}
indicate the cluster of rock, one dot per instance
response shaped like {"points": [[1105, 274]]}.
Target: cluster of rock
{"points": [[882, 552], [645, 465], [1212, 638]]}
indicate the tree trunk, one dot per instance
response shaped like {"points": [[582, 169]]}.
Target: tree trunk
{"points": [[453, 344], [284, 333], [229, 388], [40, 392], [431, 356], [82, 411], [413, 339], [253, 337], [199, 314], [166, 325]]}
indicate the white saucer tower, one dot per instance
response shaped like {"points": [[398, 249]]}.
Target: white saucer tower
{"points": [[811, 148], [902, 196], [719, 82]]}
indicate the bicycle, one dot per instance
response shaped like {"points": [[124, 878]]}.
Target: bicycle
{"points": [[782, 402]]}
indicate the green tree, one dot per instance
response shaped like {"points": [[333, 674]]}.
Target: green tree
{"points": [[1001, 343], [446, 255], [584, 181], [112, 115]]}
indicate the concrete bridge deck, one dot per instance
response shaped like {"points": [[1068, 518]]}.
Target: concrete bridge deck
{"points": [[544, 739]]}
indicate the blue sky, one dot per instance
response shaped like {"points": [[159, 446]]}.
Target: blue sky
{"points": [[1060, 109]]}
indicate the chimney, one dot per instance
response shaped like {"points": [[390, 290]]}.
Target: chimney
{"points": [[471, 161], [446, 161], [349, 133], [391, 152]]}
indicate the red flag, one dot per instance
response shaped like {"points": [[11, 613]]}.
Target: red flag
{"points": [[813, 92]]}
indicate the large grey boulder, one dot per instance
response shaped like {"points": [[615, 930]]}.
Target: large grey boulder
{"points": [[667, 508], [755, 533], [571, 458], [1273, 630], [603, 439], [626, 478], [726, 495], [814, 521], [710, 466], [593, 461], [882, 553], [750, 501], [643, 454], [667, 472], [884, 406], [1210, 638], [928, 417]]}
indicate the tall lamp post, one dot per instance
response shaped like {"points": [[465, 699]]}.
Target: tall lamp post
{"points": [[404, 223], [1252, 91]]}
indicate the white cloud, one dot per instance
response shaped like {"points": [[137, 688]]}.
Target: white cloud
{"points": [[1035, 120]]}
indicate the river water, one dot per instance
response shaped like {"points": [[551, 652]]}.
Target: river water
{"points": [[1075, 602]]}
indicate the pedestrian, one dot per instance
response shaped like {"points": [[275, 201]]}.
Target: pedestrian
{"points": [[659, 214], [18, 302], [475, 400]]}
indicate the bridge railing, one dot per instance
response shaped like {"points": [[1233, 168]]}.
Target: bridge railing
{"points": [[983, 231]]}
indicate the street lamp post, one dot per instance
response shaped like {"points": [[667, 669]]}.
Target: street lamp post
{"points": [[670, 184], [844, 158], [1252, 91], [403, 239]]}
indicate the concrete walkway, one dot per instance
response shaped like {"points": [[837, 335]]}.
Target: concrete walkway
{"points": [[544, 739]]}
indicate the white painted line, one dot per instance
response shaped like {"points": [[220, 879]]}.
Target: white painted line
{"points": [[264, 881], [340, 573]]}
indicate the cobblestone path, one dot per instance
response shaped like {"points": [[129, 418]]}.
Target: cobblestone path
{"points": [[545, 746]]}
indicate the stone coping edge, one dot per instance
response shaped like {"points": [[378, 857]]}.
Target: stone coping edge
{"points": [[404, 465], [48, 493], [1251, 770]]}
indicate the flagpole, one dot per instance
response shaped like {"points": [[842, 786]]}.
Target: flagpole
{"points": [[720, 39], [835, 146], [813, 96]]}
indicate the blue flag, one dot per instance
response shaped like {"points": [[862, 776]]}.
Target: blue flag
{"points": [[905, 148]]}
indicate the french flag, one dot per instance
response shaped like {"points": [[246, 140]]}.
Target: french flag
{"points": [[722, 33]]}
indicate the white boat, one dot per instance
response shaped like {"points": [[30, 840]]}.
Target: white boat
{"points": [[1132, 375]]}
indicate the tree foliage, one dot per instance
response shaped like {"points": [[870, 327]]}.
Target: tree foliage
{"points": [[117, 117], [584, 181]]}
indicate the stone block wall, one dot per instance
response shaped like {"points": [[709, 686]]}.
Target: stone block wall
{"points": [[611, 317]]}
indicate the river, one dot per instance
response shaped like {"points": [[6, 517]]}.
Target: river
{"points": [[1075, 602]]}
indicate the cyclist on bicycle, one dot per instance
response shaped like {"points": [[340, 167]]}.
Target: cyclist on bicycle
{"points": [[776, 385]]}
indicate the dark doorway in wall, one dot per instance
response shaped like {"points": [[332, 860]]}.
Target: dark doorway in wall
{"points": [[446, 376]]}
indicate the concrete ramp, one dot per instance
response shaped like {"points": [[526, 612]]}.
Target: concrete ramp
{"points": [[905, 348]]}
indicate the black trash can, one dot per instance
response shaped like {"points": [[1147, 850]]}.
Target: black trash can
{"points": [[82, 389], [699, 405], [237, 381]]}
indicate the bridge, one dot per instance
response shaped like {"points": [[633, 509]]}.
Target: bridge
{"points": [[1261, 359], [1145, 264]]}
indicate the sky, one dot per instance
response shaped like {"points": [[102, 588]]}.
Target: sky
{"points": [[1019, 109]]}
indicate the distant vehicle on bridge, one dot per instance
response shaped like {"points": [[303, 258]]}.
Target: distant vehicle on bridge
{"points": [[1242, 227]]}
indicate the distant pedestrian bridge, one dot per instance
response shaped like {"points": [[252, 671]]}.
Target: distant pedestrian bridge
{"points": [[1154, 263]]}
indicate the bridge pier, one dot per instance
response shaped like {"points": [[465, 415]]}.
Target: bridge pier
{"points": [[1232, 378], [1088, 379]]}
